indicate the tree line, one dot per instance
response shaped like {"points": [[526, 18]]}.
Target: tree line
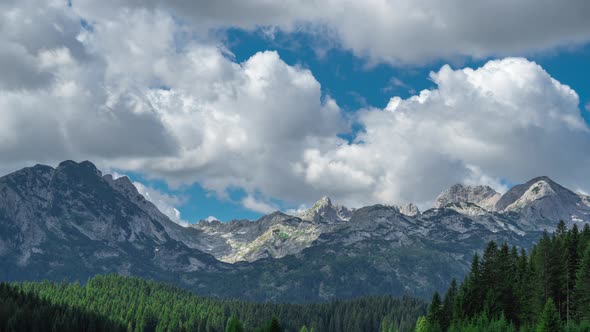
{"points": [[547, 289], [117, 303]]}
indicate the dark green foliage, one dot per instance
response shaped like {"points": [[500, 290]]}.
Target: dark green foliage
{"points": [[547, 290], [234, 325], [24, 311], [582, 288], [116, 303], [435, 313], [274, 325], [550, 321], [483, 324]]}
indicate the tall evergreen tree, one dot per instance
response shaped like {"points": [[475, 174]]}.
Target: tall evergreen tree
{"points": [[448, 306], [234, 325], [582, 287], [274, 325], [571, 261], [550, 321], [435, 312], [543, 290], [422, 325], [472, 290]]}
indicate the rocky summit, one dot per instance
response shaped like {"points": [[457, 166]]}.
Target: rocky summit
{"points": [[74, 222]]}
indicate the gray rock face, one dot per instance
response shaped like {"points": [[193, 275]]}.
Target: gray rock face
{"points": [[409, 209], [541, 201], [324, 211], [272, 236], [74, 222], [483, 196]]}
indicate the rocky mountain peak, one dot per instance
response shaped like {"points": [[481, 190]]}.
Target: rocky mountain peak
{"points": [[80, 168], [324, 201], [534, 189], [325, 211], [545, 202], [410, 209], [484, 196]]}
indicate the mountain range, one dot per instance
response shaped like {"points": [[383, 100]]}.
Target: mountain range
{"points": [[74, 222]]}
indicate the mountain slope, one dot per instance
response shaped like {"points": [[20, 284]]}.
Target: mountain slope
{"points": [[73, 222], [541, 202], [272, 236]]}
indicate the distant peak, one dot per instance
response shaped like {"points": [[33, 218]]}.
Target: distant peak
{"points": [[325, 210], [70, 164], [324, 201], [84, 165], [481, 195], [41, 167], [410, 209], [522, 195], [541, 179]]}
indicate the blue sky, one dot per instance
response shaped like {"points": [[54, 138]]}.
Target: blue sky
{"points": [[234, 109]]}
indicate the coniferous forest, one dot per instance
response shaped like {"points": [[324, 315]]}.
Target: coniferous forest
{"points": [[547, 289], [116, 303], [507, 289]]}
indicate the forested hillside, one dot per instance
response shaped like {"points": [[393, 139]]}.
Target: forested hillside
{"points": [[547, 289], [110, 303]]}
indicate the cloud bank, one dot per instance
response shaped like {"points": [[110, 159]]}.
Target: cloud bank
{"points": [[394, 31], [138, 90]]}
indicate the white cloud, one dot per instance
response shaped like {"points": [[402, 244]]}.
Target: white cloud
{"points": [[127, 95], [506, 120], [399, 31], [211, 218], [166, 203], [141, 91], [254, 204]]}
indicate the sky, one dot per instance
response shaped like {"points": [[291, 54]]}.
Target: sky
{"points": [[233, 109]]}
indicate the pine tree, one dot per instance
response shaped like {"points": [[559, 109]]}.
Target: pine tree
{"points": [[234, 325], [472, 290], [274, 325], [572, 262], [422, 325], [435, 312], [550, 321], [448, 306], [582, 287]]}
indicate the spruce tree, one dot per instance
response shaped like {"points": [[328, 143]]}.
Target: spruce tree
{"points": [[448, 306], [582, 287], [274, 325], [422, 325], [234, 325], [435, 312], [550, 321], [571, 262], [472, 290]]}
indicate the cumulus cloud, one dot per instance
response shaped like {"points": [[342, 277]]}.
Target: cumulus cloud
{"points": [[70, 100], [127, 93], [399, 31], [254, 204], [508, 120], [138, 89]]}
